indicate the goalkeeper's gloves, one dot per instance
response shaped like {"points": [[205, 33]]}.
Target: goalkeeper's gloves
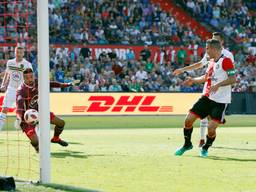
{"points": [[68, 84]]}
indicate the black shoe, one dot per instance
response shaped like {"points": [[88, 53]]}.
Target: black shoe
{"points": [[59, 141]]}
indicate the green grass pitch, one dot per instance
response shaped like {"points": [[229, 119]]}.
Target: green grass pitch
{"points": [[135, 154]]}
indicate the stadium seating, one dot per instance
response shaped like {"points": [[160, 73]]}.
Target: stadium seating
{"points": [[153, 23]]}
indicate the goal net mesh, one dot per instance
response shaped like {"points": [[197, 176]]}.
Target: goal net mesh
{"points": [[18, 26]]}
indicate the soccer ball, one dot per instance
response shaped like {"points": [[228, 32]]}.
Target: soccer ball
{"points": [[31, 116]]}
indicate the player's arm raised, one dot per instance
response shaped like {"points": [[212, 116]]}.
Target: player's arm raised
{"points": [[198, 80], [61, 85], [197, 65]]}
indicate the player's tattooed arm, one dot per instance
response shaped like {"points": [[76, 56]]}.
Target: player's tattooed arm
{"points": [[231, 80]]}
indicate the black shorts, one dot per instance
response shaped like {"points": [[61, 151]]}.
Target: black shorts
{"points": [[204, 107]]}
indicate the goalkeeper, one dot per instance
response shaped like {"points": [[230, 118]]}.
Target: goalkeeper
{"points": [[27, 98]]}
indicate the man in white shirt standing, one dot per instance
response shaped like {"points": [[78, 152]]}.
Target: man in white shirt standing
{"points": [[13, 78], [141, 74], [198, 65], [219, 77]]}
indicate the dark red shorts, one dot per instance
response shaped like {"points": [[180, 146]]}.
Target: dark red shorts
{"points": [[30, 129], [52, 116]]}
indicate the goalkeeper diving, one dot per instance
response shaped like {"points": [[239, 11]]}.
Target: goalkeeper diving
{"points": [[27, 98]]}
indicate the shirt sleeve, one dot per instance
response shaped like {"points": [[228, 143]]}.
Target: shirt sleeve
{"points": [[7, 67], [57, 84], [28, 65], [228, 66], [232, 57], [20, 103]]}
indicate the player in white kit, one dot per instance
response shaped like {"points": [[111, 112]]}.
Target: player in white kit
{"points": [[13, 78], [198, 65], [219, 77]]}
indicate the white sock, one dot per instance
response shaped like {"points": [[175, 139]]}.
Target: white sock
{"points": [[203, 126], [2, 120]]}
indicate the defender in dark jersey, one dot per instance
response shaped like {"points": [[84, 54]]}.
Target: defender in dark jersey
{"points": [[27, 98]]}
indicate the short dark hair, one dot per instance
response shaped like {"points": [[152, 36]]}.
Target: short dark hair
{"points": [[217, 34], [19, 47], [28, 70], [214, 43]]}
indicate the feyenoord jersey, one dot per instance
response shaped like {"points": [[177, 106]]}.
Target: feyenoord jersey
{"points": [[15, 71], [224, 52], [217, 72]]}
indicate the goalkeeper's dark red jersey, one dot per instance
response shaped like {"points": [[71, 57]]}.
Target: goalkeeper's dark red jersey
{"points": [[27, 97]]}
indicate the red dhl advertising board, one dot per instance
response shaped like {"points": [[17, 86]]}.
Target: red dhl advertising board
{"points": [[120, 103]]}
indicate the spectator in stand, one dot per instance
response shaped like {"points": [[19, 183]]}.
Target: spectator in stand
{"points": [[134, 86], [85, 52], [59, 74], [145, 53], [130, 55], [141, 74], [115, 87], [181, 56]]}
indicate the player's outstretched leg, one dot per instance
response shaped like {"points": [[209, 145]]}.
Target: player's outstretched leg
{"points": [[188, 144], [33, 140], [187, 131], [36, 146], [203, 126], [204, 150], [59, 126], [212, 126]]}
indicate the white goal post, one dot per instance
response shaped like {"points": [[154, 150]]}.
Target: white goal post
{"points": [[43, 87]]}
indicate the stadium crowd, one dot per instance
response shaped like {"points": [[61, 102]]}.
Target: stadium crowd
{"points": [[125, 22], [237, 19], [114, 22]]}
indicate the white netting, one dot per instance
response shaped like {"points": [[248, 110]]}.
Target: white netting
{"points": [[17, 157]]}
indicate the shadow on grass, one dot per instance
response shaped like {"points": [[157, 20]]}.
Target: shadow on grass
{"points": [[236, 149], [66, 187], [75, 154], [75, 143], [230, 159], [78, 154], [67, 153]]}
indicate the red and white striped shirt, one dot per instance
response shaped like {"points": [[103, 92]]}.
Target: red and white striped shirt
{"points": [[217, 72]]}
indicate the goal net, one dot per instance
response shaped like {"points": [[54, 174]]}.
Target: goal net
{"points": [[18, 27]]}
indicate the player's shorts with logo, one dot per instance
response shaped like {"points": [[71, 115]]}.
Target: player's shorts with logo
{"points": [[204, 107], [30, 130], [9, 98]]}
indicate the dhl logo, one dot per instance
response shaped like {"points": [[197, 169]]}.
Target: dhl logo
{"points": [[123, 103]]}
